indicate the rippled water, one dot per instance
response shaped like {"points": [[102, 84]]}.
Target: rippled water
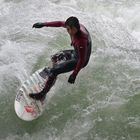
{"points": [[104, 104]]}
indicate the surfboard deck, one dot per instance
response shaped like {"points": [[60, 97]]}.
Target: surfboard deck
{"points": [[27, 108]]}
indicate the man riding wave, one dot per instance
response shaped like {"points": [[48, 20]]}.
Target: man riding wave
{"points": [[79, 57]]}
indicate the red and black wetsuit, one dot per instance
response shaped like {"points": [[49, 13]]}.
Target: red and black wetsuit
{"points": [[82, 48], [75, 59]]}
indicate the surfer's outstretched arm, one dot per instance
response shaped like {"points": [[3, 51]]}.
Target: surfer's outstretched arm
{"points": [[49, 24]]}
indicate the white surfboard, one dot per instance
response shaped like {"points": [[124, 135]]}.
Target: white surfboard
{"points": [[27, 108]]}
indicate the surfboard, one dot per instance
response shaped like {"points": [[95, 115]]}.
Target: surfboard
{"points": [[27, 108]]}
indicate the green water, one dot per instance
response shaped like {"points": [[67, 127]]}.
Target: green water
{"points": [[104, 103]]}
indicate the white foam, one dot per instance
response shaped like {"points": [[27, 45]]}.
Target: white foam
{"points": [[114, 62]]}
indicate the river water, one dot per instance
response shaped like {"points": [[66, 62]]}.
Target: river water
{"points": [[104, 103]]}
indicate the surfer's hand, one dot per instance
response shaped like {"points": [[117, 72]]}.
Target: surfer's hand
{"points": [[72, 79], [38, 25]]}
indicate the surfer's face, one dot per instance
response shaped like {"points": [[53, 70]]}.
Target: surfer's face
{"points": [[71, 30]]}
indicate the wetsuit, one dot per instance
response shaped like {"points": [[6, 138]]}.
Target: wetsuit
{"points": [[82, 50], [79, 57]]}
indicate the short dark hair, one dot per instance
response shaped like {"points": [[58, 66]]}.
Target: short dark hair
{"points": [[73, 22]]}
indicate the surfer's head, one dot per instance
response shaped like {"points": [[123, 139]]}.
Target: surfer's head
{"points": [[72, 25]]}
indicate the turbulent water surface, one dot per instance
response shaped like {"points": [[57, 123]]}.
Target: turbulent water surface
{"points": [[104, 103]]}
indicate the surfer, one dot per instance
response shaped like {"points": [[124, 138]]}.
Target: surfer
{"points": [[78, 58]]}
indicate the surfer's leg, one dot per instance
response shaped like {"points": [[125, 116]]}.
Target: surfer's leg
{"points": [[41, 95], [64, 67], [70, 60], [50, 82]]}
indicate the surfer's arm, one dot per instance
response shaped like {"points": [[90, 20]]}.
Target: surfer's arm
{"points": [[82, 51], [49, 24], [54, 24]]}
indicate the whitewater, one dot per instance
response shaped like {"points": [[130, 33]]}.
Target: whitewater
{"points": [[104, 103]]}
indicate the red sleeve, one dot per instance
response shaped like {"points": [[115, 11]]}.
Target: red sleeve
{"points": [[55, 24], [82, 52]]}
